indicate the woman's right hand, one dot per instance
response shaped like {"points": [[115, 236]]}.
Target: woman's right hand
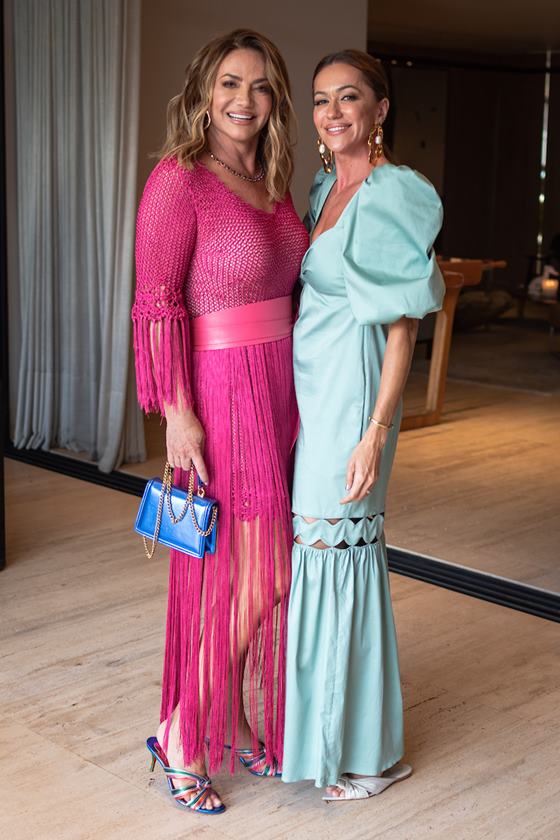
{"points": [[185, 440]]}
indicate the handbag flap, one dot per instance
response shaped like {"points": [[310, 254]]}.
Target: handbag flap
{"points": [[181, 535]]}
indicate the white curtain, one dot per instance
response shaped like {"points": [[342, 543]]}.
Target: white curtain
{"points": [[76, 93]]}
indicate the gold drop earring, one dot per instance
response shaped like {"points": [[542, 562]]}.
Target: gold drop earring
{"points": [[326, 156], [375, 144]]}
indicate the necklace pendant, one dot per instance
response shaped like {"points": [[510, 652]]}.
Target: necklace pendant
{"points": [[252, 178]]}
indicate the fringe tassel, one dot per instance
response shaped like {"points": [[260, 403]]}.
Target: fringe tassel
{"points": [[162, 351], [227, 617]]}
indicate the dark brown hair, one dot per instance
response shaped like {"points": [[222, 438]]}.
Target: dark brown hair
{"points": [[371, 69]]}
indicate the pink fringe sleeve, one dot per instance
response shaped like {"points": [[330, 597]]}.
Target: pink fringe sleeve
{"points": [[165, 239]]}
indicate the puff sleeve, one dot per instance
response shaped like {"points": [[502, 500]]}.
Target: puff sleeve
{"points": [[389, 264], [165, 240]]}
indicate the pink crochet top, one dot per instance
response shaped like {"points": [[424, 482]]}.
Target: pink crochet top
{"points": [[200, 248]]}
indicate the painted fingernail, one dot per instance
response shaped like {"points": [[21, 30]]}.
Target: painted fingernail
{"points": [[347, 487]]}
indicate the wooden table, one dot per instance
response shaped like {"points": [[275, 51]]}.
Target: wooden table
{"points": [[456, 274]]}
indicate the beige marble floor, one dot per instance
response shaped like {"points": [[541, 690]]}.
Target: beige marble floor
{"points": [[482, 489], [81, 624]]}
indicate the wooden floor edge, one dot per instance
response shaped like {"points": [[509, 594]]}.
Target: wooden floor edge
{"points": [[486, 587]]}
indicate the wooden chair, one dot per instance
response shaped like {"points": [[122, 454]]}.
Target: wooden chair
{"points": [[457, 273], [435, 395], [470, 269]]}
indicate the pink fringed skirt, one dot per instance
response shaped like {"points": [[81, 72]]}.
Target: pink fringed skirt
{"points": [[226, 622]]}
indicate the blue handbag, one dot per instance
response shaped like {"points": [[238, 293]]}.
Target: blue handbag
{"points": [[157, 519]]}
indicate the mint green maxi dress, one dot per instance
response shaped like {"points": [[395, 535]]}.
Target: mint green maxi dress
{"points": [[343, 702]]}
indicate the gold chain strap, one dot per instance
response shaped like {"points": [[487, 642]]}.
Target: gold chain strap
{"points": [[166, 490], [150, 551], [166, 487]]}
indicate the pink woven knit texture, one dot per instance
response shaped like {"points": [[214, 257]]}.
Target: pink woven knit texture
{"points": [[200, 248]]}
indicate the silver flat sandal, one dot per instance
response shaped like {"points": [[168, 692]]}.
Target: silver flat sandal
{"points": [[369, 785]]}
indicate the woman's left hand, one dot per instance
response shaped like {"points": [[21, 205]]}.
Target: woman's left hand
{"points": [[363, 467]]}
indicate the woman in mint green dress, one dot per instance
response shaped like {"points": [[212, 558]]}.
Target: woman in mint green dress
{"points": [[368, 276]]}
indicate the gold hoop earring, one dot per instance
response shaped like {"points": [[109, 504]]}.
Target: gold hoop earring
{"points": [[326, 156], [205, 124], [375, 144]]}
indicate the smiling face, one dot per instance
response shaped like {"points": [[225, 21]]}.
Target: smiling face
{"points": [[345, 108], [241, 98]]}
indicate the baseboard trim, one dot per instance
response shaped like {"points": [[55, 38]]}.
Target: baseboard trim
{"points": [[74, 468], [506, 593], [502, 591]]}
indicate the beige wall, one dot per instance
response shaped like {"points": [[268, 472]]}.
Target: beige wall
{"points": [[172, 30]]}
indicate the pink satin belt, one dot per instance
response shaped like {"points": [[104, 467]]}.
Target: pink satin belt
{"points": [[242, 326]]}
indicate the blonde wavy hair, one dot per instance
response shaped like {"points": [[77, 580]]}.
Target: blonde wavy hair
{"points": [[186, 112]]}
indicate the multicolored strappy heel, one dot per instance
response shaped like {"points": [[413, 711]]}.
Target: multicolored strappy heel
{"points": [[256, 763], [202, 784]]}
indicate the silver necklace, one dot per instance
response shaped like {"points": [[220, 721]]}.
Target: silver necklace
{"points": [[252, 178]]}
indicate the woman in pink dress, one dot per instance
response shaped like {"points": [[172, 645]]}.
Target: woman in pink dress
{"points": [[219, 247]]}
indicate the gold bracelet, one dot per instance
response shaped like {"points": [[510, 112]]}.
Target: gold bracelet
{"points": [[381, 425]]}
